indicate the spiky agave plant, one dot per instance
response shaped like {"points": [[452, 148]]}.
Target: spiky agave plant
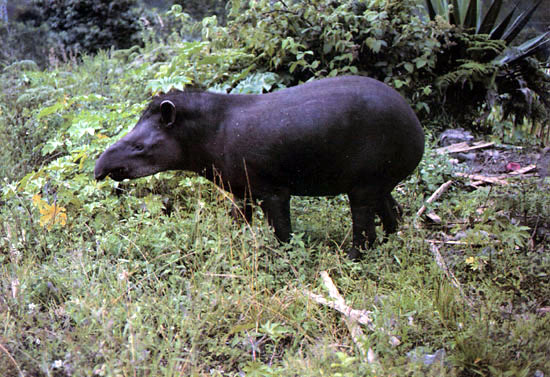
{"points": [[480, 65]]}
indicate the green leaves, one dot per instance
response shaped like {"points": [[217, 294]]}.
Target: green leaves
{"points": [[375, 44], [304, 40], [165, 84], [492, 65], [258, 83]]}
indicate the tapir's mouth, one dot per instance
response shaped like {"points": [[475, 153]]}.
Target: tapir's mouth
{"points": [[117, 174], [100, 177]]}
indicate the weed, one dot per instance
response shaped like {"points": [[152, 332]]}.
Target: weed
{"points": [[154, 278]]}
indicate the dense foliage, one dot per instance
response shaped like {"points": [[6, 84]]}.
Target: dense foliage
{"points": [[152, 277], [480, 69], [20, 30], [432, 64], [299, 41], [199, 9], [50, 30], [91, 25]]}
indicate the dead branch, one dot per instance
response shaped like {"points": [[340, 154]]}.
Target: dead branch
{"points": [[433, 217], [450, 242], [523, 170], [361, 316], [463, 147], [354, 329], [444, 187], [478, 179], [352, 317]]}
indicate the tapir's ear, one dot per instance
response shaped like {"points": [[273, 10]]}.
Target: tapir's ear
{"points": [[168, 112]]}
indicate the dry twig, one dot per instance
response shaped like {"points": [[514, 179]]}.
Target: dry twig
{"points": [[478, 179], [352, 317], [463, 147], [340, 305], [10, 357], [444, 187], [523, 170]]}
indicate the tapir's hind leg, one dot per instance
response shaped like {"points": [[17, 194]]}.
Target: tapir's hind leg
{"points": [[363, 206], [389, 213]]}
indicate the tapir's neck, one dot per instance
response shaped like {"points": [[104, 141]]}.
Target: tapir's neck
{"points": [[205, 133]]}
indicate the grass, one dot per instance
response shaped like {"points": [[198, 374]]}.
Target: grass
{"points": [[154, 278], [145, 293]]}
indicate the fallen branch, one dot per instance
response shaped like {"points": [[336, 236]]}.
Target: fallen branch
{"points": [[523, 170], [361, 316], [433, 217], [465, 243], [352, 317], [449, 242], [478, 179], [434, 196], [354, 329], [463, 147], [482, 179]]}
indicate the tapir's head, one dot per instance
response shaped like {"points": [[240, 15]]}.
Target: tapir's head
{"points": [[152, 146]]}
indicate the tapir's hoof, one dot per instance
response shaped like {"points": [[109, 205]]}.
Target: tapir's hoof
{"points": [[354, 254]]}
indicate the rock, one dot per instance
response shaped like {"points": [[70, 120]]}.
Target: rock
{"points": [[466, 156], [543, 163], [427, 359], [453, 136]]}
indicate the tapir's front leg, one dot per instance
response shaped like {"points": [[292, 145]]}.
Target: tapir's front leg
{"points": [[276, 208]]}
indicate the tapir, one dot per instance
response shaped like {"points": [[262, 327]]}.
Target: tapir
{"points": [[351, 134]]}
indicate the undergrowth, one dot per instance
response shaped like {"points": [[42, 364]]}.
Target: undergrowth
{"points": [[139, 290], [153, 278]]}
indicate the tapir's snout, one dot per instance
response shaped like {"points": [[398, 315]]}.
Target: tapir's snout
{"points": [[114, 162], [104, 167], [101, 170], [99, 176], [122, 161]]}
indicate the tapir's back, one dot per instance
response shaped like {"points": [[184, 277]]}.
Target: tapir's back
{"points": [[327, 136]]}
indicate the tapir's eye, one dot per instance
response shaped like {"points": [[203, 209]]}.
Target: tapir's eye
{"points": [[138, 147]]}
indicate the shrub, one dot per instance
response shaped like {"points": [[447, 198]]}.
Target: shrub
{"points": [[481, 68], [88, 26], [20, 29], [204, 8], [303, 40], [431, 62]]}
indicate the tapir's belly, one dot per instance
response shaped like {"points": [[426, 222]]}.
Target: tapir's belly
{"points": [[330, 169]]}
